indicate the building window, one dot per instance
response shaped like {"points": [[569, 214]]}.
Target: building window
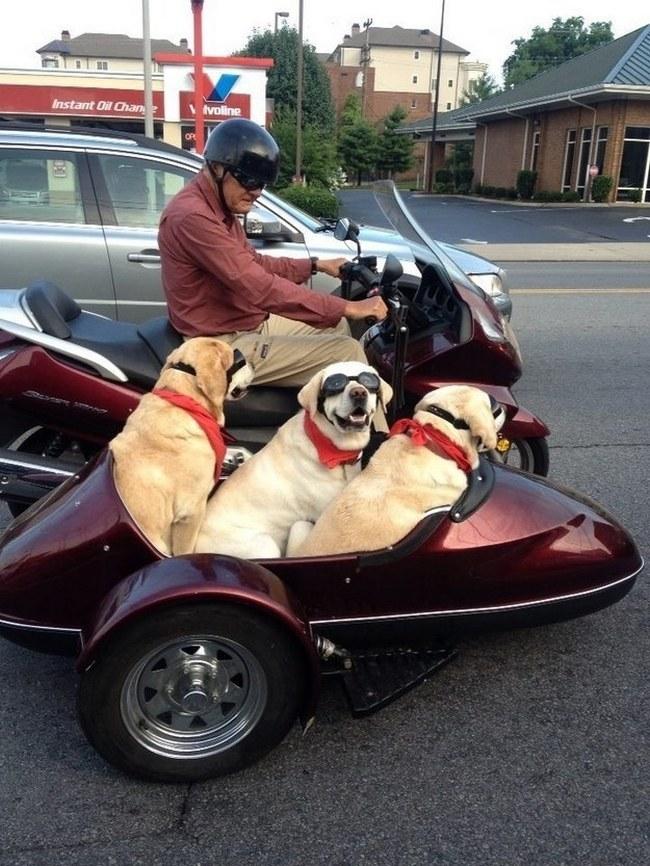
{"points": [[50, 63], [634, 177], [583, 160], [569, 156], [414, 103], [77, 64], [102, 64], [416, 55], [535, 150], [450, 83], [601, 144], [434, 85], [449, 106], [415, 79]]}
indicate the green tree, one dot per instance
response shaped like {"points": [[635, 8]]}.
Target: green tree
{"points": [[317, 107], [479, 89], [351, 111], [545, 49], [395, 151], [358, 148], [318, 150]]}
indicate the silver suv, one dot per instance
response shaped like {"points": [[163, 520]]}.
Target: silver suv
{"points": [[81, 208]]}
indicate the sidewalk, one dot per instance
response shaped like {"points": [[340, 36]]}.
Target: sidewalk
{"points": [[600, 252]]}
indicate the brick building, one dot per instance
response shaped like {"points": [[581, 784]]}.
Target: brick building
{"points": [[591, 111], [389, 66]]}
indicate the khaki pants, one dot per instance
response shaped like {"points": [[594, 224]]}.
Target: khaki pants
{"points": [[287, 353]]}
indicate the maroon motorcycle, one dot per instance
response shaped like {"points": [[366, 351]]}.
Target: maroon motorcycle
{"points": [[69, 378], [194, 666]]}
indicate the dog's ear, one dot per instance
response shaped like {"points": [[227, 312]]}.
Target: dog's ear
{"points": [[308, 394], [211, 361], [483, 428], [385, 394]]}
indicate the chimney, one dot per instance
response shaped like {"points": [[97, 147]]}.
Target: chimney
{"points": [[346, 37], [65, 36], [184, 45], [355, 29]]}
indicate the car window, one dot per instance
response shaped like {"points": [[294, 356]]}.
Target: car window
{"points": [[139, 189], [40, 186], [302, 218]]}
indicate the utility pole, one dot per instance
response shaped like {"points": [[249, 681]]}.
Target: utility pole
{"points": [[298, 172], [199, 122], [435, 104], [146, 57], [365, 63]]}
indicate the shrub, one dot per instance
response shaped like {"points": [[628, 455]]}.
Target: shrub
{"points": [[511, 193], [489, 191], [317, 201], [463, 179], [571, 195], [526, 183], [601, 186], [444, 175], [635, 195], [500, 192], [548, 195], [444, 188], [478, 189]]}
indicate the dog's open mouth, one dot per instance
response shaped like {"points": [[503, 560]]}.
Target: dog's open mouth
{"points": [[356, 420]]}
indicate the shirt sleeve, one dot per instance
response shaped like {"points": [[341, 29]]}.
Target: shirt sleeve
{"points": [[240, 270]]}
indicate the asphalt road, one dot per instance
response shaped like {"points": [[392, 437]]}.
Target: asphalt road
{"points": [[531, 748]]}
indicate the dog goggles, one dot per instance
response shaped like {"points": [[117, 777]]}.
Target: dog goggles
{"points": [[335, 384], [247, 181], [239, 361]]}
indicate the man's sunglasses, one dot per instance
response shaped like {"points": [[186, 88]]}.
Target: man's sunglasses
{"points": [[247, 181], [335, 384]]}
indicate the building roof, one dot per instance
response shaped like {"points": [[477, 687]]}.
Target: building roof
{"points": [[620, 68], [400, 37], [109, 45]]}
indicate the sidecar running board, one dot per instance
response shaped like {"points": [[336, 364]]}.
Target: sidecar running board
{"points": [[376, 678]]}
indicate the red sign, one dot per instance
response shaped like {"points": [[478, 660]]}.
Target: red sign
{"points": [[237, 105], [76, 101]]}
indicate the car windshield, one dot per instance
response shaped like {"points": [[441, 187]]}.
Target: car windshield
{"points": [[300, 216]]}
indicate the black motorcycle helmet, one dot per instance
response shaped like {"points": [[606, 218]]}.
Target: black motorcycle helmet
{"points": [[246, 149]]}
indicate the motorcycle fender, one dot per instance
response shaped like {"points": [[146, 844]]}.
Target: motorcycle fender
{"points": [[525, 425], [210, 578]]}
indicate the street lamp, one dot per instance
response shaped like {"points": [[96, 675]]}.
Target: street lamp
{"points": [[279, 15]]}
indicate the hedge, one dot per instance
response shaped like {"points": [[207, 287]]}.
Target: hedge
{"points": [[316, 200]]}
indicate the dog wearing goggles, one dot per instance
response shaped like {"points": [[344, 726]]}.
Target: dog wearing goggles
{"points": [[166, 457], [422, 465], [311, 458]]}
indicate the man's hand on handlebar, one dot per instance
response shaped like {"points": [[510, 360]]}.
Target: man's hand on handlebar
{"points": [[369, 308], [331, 267]]}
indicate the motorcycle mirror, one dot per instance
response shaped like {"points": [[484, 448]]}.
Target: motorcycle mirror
{"points": [[346, 230], [393, 270]]}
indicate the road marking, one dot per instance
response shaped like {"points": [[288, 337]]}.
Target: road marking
{"points": [[557, 291], [471, 241], [635, 219]]}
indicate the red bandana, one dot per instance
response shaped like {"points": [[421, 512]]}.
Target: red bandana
{"points": [[328, 454], [426, 434], [203, 418]]}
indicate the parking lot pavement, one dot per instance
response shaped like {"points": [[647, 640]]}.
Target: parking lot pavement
{"points": [[600, 252]]}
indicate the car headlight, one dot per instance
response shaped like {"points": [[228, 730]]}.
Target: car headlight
{"points": [[492, 284]]}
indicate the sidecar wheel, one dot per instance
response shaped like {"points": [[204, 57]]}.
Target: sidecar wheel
{"points": [[192, 692]]}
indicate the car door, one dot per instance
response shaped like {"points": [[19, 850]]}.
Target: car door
{"points": [[132, 191], [50, 227]]}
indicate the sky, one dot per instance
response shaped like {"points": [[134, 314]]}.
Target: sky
{"points": [[486, 30]]}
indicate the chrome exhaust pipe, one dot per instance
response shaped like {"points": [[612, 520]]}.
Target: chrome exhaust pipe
{"points": [[24, 478]]}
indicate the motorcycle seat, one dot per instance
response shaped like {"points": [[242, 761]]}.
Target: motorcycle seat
{"points": [[263, 405]]}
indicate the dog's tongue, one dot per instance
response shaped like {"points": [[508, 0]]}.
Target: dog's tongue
{"points": [[358, 419]]}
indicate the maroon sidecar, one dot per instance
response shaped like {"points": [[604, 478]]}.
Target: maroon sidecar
{"points": [[194, 666]]}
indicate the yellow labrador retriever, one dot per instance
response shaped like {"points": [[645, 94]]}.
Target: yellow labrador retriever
{"points": [[167, 455], [422, 465], [309, 460]]}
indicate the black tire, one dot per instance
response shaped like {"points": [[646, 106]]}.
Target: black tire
{"points": [[529, 455], [192, 692]]}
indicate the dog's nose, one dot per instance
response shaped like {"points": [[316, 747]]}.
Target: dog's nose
{"points": [[358, 393]]}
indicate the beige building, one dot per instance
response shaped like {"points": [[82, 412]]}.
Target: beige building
{"points": [[103, 52], [389, 66]]}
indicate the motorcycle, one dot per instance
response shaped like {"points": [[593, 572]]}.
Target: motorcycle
{"points": [[69, 378]]}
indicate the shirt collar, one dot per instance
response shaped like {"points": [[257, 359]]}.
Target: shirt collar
{"points": [[211, 197]]}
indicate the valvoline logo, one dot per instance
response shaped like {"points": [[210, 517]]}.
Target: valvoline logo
{"points": [[219, 90]]}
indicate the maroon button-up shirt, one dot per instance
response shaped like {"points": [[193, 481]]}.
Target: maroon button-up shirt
{"points": [[216, 283]]}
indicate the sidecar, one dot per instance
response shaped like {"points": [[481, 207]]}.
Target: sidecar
{"points": [[195, 666]]}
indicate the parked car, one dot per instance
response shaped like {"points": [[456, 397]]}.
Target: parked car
{"points": [[80, 207]]}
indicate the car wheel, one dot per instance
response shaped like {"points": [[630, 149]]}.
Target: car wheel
{"points": [[529, 455], [192, 692]]}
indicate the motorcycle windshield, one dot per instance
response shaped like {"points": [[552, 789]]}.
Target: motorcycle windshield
{"points": [[392, 206]]}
